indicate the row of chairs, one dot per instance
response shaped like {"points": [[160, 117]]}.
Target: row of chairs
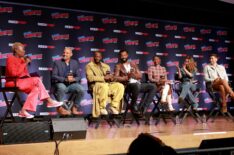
{"points": [[158, 108]]}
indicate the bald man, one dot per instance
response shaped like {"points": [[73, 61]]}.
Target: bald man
{"points": [[66, 79]]}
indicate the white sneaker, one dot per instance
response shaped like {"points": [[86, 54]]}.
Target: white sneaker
{"points": [[54, 104], [114, 111], [103, 112], [25, 114]]}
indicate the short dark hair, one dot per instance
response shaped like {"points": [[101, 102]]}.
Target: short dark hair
{"points": [[214, 55], [97, 52], [121, 51], [155, 56]]}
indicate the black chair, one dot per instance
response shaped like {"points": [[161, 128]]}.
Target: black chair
{"points": [[187, 106], [4, 90], [159, 110], [216, 108], [129, 107]]}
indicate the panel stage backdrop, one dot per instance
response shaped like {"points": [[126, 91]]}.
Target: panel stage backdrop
{"points": [[46, 31]]}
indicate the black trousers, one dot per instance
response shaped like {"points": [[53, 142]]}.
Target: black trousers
{"points": [[134, 89]]}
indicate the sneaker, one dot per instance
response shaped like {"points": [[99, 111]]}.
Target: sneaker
{"points": [[114, 111], [25, 115], [103, 112], [54, 104]]}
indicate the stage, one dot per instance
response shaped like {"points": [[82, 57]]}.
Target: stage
{"points": [[106, 140]]}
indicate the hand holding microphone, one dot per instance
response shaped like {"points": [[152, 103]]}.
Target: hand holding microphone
{"points": [[27, 59]]}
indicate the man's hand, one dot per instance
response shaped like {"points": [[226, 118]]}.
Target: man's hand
{"points": [[70, 78]]}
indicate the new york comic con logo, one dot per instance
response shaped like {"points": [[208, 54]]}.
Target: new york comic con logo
{"points": [[97, 29], [17, 22], [131, 23], [60, 36], [170, 27], [57, 15], [222, 49], [190, 47], [205, 31], [189, 29], [72, 27], [30, 12], [206, 48], [46, 46], [45, 24], [152, 44], [131, 42], [35, 56], [5, 55], [84, 18], [110, 60], [151, 25], [6, 32], [120, 31], [171, 45], [6, 9], [221, 33], [32, 34], [109, 20], [86, 38], [84, 59], [110, 40]]}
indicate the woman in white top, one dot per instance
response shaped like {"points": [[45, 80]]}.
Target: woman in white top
{"points": [[217, 76]]}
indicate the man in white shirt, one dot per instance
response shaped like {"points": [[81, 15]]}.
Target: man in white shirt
{"points": [[217, 76]]}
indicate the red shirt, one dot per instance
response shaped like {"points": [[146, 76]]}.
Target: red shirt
{"points": [[15, 67]]}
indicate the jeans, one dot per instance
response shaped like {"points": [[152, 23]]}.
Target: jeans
{"points": [[61, 89], [187, 89]]}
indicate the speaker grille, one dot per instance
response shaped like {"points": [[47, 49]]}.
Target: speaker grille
{"points": [[13, 133]]}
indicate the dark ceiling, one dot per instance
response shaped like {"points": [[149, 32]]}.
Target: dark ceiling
{"points": [[211, 12]]}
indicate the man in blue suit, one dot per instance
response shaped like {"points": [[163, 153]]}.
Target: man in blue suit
{"points": [[66, 79]]}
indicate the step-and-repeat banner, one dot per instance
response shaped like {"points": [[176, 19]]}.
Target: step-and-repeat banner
{"points": [[46, 31]]}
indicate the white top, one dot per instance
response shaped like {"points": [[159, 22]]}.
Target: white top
{"points": [[128, 69], [213, 72]]}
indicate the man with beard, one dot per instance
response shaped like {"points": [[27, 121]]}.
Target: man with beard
{"points": [[129, 74], [66, 79], [102, 85]]}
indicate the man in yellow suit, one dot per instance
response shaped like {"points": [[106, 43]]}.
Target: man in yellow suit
{"points": [[103, 87]]}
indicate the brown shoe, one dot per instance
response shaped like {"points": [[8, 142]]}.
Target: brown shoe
{"points": [[63, 111], [75, 111]]}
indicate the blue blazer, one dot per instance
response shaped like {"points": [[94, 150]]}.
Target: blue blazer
{"points": [[59, 68]]}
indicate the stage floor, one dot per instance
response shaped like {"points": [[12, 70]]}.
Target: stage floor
{"points": [[106, 140]]}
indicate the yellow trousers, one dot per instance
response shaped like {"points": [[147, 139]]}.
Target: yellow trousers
{"points": [[107, 92]]}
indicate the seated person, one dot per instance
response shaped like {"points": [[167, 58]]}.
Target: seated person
{"points": [[102, 85], [150, 145], [158, 75], [217, 76], [16, 66], [66, 79], [186, 76], [129, 74]]}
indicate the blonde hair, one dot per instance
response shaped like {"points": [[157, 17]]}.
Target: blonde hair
{"points": [[192, 65], [15, 46]]}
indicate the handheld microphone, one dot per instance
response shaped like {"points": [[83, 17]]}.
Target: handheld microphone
{"points": [[27, 57]]}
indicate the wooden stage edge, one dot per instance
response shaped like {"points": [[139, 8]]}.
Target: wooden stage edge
{"points": [[106, 140]]}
